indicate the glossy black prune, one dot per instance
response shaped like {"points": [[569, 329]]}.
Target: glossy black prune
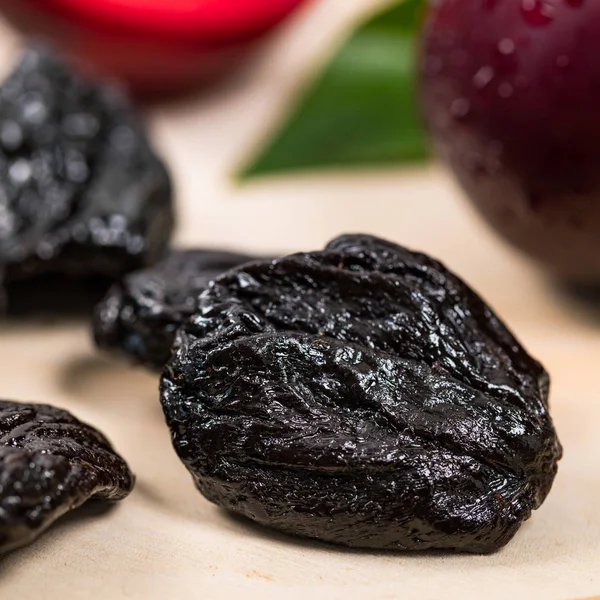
{"points": [[81, 192], [362, 395], [140, 315], [51, 463]]}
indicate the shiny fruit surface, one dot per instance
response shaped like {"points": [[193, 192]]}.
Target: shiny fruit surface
{"points": [[156, 46], [511, 93]]}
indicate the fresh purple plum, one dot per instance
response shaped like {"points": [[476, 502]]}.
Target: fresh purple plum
{"points": [[511, 94]]}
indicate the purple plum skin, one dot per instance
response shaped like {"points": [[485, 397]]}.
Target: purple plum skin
{"points": [[511, 94]]}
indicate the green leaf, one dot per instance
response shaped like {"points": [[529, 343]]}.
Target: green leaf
{"points": [[363, 109]]}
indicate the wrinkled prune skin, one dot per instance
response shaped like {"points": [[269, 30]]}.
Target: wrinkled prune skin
{"points": [[51, 463], [363, 395], [140, 315], [81, 191]]}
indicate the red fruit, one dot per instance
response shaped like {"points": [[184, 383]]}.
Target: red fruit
{"points": [[155, 45], [511, 92]]}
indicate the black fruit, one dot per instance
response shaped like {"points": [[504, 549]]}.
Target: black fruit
{"points": [[51, 463], [141, 314], [82, 194], [362, 395]]}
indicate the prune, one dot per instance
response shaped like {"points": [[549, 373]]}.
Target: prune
{"points": [[140, 315], [51, 463], [81, 191], [362, 395]]}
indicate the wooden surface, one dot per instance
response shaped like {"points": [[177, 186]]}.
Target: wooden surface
{"points": [[165, 541]]}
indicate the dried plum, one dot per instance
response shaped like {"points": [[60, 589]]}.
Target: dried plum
{"points": [[361, 395], [81, 191], [140, 315], [51, 463]]}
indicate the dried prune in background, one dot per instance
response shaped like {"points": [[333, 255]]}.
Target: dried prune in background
{"points": [[82, 193], [51, 463], [140, 315], [362, 395]]}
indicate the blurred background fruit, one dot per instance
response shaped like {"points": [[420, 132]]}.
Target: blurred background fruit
{"points": [[511, 90], [156, 46]]}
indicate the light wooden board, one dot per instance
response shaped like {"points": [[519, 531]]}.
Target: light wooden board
{"points": [[165, 541]]}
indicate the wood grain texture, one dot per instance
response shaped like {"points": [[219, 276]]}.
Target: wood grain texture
{"points": [[165, 541]]}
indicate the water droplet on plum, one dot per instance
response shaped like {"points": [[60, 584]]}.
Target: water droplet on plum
{"points": [[506, 46], [537, 12], [483, 77], [460, 108]]}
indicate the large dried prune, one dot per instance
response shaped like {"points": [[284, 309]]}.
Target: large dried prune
{"points": [[81, 191], [140, 315], [362, 395], [51, 463]]}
